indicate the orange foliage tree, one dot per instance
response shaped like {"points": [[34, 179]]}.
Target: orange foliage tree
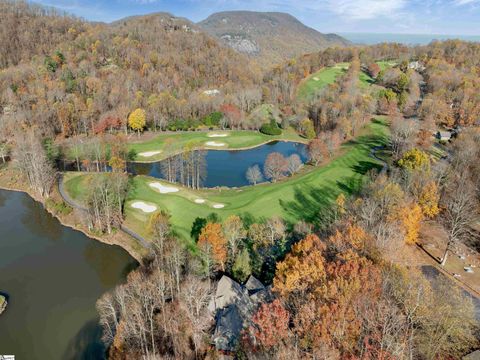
{"points": [[326, 286], [212, 241], [270, 325], [411, 217]]}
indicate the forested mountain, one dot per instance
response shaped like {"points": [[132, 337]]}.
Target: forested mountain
{"points": [[98, 71], [270, 37], [27, 30]]}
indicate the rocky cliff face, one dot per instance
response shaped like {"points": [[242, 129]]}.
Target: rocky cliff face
{"points": [[269, 37]]}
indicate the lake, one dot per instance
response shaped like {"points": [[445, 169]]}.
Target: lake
{"points": [[228, 167], [53, 276]]}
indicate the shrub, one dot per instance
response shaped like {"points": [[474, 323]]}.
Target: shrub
{"points": [[271, 128]]}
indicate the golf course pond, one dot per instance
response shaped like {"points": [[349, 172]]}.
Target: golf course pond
{"points": [[52, 277], [228, 167]]}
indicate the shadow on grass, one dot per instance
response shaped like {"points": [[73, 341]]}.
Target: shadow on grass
{"points": [[309, 202]]}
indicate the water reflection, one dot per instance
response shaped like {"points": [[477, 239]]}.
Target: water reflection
{"points": [[228, 167]]}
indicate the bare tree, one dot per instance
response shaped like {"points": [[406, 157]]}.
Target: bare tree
{"points": [[459, 206], [31, 158], [254, 175], [195, 297], [4, 151], [275, 166], [294, 163]]}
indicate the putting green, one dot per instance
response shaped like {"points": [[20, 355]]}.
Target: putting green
{"points": [[165, 145], [300, 197]]}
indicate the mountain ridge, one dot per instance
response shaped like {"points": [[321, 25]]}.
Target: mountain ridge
{"points": [[270, 37]]}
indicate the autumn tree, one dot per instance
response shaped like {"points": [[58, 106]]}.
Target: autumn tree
{"points": [[373, 69], [137, 120], [317, 151], [233, 115], [213, 243], [415, 159], [159, 227], [429, 200], [411, 216], [275, 166], [270, 325], [234, 233]]}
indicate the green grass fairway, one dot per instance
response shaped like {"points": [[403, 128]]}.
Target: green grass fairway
{"points": [[233, 140], [297, 198], [294, 199], [319, 80]]}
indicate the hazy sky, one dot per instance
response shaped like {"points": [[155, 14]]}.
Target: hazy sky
{"points": [[458, 17]]}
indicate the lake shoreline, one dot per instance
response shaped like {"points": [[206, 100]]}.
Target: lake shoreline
{"points": [[114, 239], [211, 148]]}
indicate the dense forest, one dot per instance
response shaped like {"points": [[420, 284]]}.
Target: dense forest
{"points": [[341, 285]]}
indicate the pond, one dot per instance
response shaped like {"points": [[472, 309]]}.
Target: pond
{"points": [[53, 277], [228, 167]]}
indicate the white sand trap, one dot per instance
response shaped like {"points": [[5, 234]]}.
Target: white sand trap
{"points": [[316, 78], [149, 153], [218, 206], [144, 207], [214, 143], [200, 201], [217, 135], [162, 188]]}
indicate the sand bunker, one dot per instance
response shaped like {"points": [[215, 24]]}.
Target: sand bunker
{"points": [[149, 153], [200, 201], [214, 143], [217, 135], [144, 207], [162, 188], [219, 206], [316, 78]]}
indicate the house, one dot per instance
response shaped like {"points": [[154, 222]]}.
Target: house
{"points": [[233, 305], [213, 92], [416, 65], [444, 135]]}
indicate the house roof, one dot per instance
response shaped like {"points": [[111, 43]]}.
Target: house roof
{"points": [[253, 285], [234, 306], [446, 134], [229, 325]]}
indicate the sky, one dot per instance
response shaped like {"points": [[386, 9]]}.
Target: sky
{"points": [[455, 17]]}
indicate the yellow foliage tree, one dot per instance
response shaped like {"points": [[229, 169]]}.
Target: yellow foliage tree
{"points": [[429, 199], [414, 159], [411, 217], [340, 201], [117, 164], [136, 120]]}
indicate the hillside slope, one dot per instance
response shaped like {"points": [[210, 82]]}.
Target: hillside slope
{"points": [[27, 30], [270, 37], [157, 62]]}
